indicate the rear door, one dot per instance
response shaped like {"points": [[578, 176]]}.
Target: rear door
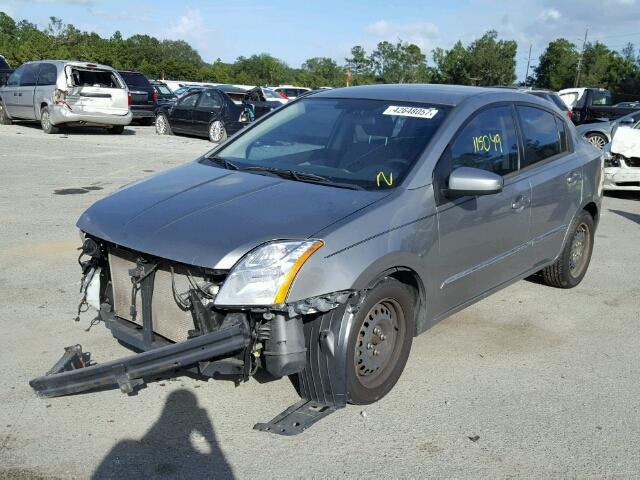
{"points": [[555, 173], [208, 108], [482, 239], [96, 90], [47, 78], [181, 115]]}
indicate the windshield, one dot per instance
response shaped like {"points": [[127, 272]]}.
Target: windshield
{"points": [[270, 93], [361, 143]]}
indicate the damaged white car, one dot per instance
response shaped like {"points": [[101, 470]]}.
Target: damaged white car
{"points": [[622, 159]]}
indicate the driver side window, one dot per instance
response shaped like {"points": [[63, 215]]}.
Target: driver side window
{"points": [[14, 78], [488, 142], [189, 100]]}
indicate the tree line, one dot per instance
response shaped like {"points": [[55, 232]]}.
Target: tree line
{"points": [[485, 61]]}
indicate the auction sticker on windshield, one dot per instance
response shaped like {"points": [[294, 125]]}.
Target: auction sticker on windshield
{"points": [[417, 112]]}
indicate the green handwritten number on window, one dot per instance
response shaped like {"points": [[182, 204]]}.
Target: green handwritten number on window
{"points": [[487, 143]]}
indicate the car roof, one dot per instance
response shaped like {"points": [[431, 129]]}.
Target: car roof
{"points": [[75, 63], [427, 93]]}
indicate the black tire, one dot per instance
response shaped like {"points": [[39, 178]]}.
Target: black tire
{"points": [[598, 140], [162, 125], [4, 116], [146, 121], [572, 264], [45, 122], [389, 306], [116, 129]]}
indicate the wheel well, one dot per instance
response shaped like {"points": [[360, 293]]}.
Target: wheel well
{"points": [[592, 208], [411, 278], [42, 105], [594, 132]]}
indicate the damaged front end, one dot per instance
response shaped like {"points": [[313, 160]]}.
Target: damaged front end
{"points": [[168, 311]]}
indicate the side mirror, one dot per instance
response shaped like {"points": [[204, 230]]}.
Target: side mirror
{"points": [[465, 181]]}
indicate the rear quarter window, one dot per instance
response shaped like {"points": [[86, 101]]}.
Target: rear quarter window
{"points": [[540, 135]]}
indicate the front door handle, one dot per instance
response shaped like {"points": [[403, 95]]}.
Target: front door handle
{"points": [[573, 177], [520, 203]]}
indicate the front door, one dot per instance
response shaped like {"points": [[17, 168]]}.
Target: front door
{"points": [[10, 91], [181, 117], [482, 239], [27, 87]]}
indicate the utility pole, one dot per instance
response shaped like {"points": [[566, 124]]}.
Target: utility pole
{"points": [[526, 75], [584, 42]]}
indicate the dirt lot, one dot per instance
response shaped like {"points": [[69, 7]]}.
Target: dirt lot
{"points": [[533, 382]]}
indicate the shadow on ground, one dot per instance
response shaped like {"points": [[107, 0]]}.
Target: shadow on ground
{"points": [[634, 217], [181, 444]]}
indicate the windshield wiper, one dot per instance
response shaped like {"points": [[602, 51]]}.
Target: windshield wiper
{"points": [[224, 163], [301, 176]]}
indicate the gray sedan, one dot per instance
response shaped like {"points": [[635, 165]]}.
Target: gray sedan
{"points": [[601, 133], [320, 240]]}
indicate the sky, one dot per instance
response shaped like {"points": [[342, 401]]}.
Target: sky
{"points": [[297, 30]]}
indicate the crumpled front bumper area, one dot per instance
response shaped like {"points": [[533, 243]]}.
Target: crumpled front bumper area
{"points": [[74, 372]]}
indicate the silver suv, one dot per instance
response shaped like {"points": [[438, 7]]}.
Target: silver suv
{"points": [[62, 93]]}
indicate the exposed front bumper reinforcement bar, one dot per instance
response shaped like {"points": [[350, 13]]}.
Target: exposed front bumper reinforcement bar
{"points": [[73, 373]]}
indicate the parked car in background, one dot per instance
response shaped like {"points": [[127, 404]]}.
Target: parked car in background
{"points": [[179, 92], [628, 105], [143, 96], [551, 96], [319, 241], [206, 112], [601, 133], [622, 159], [5, 70], [263, 100], [592, 105], [62, 93], [164, 93], [289, 92]]}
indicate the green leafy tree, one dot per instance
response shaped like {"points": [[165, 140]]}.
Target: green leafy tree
{"points": [[359, 65], [557, 65], [319, 72], [260, 69], [491, 61], [451, 65], [399, 63]]}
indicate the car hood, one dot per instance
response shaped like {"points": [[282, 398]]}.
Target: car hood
{"points": [[207, 216]]}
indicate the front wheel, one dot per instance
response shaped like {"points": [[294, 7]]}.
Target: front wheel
{"points": [[571, 266], [45, 121], [380, 341], [217, 132]]}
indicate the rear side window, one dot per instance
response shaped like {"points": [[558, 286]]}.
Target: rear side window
{"points": [[162, 89], [540, 135], [210, 99], [48, 74], [488, 142], [562, 130]]}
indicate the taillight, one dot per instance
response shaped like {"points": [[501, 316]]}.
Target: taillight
{"points": [[60, 98], [570, 114], [283, 95], [154, 95], [129, 99]]}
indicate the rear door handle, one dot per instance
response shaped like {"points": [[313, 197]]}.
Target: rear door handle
{"points": [[573, 177], [520, 203]]}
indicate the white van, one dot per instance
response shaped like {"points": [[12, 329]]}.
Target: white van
{"points": [[64, 93]]}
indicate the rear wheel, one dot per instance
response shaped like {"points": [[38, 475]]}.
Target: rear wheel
{"points": [[571, 267], [116, 129], [45, 121], [4, 116], [162, 125], [217, 132], [380, 341], [598, 140]]}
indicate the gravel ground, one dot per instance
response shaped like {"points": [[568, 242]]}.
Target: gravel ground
{"points": [[532, 382]]}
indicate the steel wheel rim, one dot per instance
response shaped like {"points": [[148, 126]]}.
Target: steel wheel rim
{"points": [[580, 244], [46, 123], [1, 112], [161, 125], [216, 131], [597, 141], [381, 331]]}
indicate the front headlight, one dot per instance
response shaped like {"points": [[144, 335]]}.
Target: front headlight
{"points": [[264, 275]]}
